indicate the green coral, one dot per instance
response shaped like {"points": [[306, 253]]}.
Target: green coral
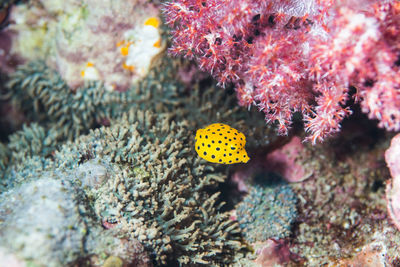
{"points": [[4, 157], [30, 141], [158, 192], [44, 97], [29, 152], [269, 209]]}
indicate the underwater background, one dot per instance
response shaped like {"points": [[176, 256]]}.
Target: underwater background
{"points": [[199, 133]]}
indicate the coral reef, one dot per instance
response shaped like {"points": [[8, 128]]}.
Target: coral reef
{"points": [[157, 192], [48, 222], [268, 210], [40, 93], [97, 161], [28, 152], [342, 206], [43, 96], [297, 57], [162, 188]]}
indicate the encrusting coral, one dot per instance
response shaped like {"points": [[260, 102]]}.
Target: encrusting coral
{"points": [[157, 192], [268, 210]]}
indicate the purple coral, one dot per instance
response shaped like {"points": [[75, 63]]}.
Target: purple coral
{"points": [[301, 56]]}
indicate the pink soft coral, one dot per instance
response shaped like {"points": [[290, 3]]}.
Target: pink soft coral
{"points": [[288, 56]]}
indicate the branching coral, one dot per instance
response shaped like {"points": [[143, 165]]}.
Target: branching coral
{"points": [[44, 97], [158, 190], [32, 140], [297, 56], [29, 152], [57, 112], [40, 93]]}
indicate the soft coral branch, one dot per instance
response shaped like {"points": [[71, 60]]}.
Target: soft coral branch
{"points": [[297, 56]]}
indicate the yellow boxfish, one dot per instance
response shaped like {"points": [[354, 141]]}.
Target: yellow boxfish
{"points": [[220, 143]]}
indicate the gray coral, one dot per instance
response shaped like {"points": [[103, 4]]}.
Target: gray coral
{"points": [[48, 221], [268, 211], [41, 93], [44, 97], [27, 154], [158, 188]]}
